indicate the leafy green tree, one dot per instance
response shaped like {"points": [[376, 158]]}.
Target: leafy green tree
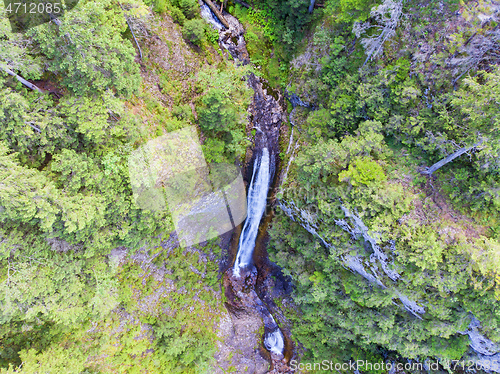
{"points": [[57, 291], [30, 126], [476, 101], [222, 111], [194, 31], [189, 8], [53, 360], [178, 16], [217, 112], [26, 194], [95, 117], [349, 10], [285, 21], [220, 116], [363, 171], [88, 52]]}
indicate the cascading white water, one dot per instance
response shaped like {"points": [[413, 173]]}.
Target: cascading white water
{"points": [[210, 17], [274, 342], [256, 205]]}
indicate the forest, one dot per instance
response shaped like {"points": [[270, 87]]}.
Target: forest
{"points": [[384, 220]]}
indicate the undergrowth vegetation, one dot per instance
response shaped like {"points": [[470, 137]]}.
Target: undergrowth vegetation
{"points": [[392, 185], [401, 257], [88, 281]]}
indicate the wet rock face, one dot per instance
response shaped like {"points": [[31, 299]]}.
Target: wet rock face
{"points": [[233, 40], [279, 365], [267, 114], [244, 284], [244, 301], [239, 347]]}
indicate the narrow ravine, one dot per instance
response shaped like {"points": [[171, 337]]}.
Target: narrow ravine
{"points": [[243, 265], [266, 118]]}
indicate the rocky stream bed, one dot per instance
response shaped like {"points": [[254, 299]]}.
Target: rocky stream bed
{"points": [[250, 294]]}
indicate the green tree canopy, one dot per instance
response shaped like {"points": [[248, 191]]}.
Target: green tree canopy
{"points": [[88, 52]]}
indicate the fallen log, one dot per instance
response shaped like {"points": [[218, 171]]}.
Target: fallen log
{"points": [[217, 13], [449, 158], [22, 80]]}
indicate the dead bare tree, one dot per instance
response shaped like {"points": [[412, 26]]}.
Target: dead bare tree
{"points": [[484, 45], [387, 15]]}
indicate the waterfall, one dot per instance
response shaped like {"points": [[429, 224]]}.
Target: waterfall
{"points": [[274, 342], [210, 17], [256, 205], [232, 41]]}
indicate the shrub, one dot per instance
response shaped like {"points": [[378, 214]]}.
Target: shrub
{"points": [[182, 112], [212, 35], [189, 8], [217, 112], [160, 6], [194, 31], [177, 16]]}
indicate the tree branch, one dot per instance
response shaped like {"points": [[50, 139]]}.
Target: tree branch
{"points": [[32, 126]]}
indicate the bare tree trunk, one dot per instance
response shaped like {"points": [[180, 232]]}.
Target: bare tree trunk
{"points": [[242, 3], [132, 31], [449, 158], [55, 19], [311, 6], [22, 80], [217, 13], [33, 126]]}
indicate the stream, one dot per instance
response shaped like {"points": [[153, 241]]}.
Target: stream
{"points": [[247, 272], [256, 203], [251, 267]]}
